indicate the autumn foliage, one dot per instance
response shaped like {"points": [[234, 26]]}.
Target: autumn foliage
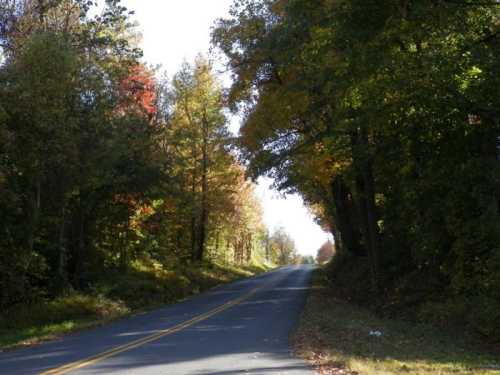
{"points": [[384, 116], [106, 170], [325, 253], [138, 92]]}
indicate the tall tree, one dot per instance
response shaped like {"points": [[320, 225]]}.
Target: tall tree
{"points": [[392, 107], [198, 118]]}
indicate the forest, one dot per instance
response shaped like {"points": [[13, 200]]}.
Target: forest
{"points": [[117, 182], [117, 185], [384, 115]]}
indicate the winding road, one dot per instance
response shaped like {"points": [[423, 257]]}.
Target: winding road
{"points": [[239, 328]]}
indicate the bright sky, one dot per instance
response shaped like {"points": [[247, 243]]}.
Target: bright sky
{"points": [[177, 30]]}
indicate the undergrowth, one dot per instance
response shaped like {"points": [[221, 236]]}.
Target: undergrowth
{"points": [[144, 286], [340, 337]]}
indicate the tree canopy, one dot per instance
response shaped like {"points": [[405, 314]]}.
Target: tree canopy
{"points": [[104, 166], [384, 116]]}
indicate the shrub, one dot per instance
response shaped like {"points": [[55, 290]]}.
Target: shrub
{"points": [[73, 307], [137, 292]]}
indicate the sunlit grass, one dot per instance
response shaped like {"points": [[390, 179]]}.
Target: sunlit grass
{"points": [[32, 335], [336, 334]]}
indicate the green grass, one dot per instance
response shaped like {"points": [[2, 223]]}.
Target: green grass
{"points": [[335, 336], [13, 338], [145, 286]]}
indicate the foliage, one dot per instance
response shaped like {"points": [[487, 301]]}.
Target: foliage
{"points": [[308, 259], [147, 285], [282, 248], [325, 253], [103, 165], [338, 336], [384, 116]]}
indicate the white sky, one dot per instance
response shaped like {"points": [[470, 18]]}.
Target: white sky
{"points": [[177, 30]]}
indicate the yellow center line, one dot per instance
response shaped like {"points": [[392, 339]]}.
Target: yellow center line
{"points": [[137, 343]]}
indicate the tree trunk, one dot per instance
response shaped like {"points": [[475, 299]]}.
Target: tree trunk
{"points": [[349, 234], [365, 189], [249, 248], [202, 234], [34, 210], [61, 269], [268, 248], [371, 218], [124, 251], [80, 256], [194, 209]]}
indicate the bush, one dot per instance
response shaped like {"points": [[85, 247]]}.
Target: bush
{"points": [[480, 313], [421, 295], [20, 273], [147, 290], [483, 315], [73, 307], [348, 276]]}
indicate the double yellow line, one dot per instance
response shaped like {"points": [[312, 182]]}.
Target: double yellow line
{"points": [[134, 344]]}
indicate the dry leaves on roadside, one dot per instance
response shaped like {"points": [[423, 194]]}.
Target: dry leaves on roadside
{"points": [[325, 366]]}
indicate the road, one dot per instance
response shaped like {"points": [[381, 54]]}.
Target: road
{"points": [[240, 328]]}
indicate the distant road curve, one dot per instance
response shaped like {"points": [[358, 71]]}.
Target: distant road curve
{"points": [[240, 328]]}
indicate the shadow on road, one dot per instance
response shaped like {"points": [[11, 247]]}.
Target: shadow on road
{"points": [[251, 338]]}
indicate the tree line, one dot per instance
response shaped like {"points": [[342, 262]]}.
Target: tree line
{"points": [[103, 164], [384, 115]]}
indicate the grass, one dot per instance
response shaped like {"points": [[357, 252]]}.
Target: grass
{"points": [[334, 335], [14, 338], [145, 286]]}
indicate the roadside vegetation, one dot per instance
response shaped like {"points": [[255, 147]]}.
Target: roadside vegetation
{"points": [[120, 188], [144, 287], [384, 115], [338, 336]]}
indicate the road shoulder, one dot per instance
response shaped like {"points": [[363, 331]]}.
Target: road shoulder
{"points": [[338, 337], [77, 312]]}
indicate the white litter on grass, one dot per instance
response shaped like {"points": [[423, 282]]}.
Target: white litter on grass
{"points": [[375, 333]]}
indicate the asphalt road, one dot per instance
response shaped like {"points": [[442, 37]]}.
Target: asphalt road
{"points": [[240, 328]]}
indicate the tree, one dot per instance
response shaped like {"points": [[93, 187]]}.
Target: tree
{"points": [[67, 142], [282, 247], [308, 259], [198, 119], [384, 116], [325, 253], [298, 120], [104, 168]]}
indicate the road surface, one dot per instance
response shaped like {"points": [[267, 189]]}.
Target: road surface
{"points": [[240, 328]]}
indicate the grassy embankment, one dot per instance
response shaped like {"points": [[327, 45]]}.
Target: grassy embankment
{"points": [[334, 335], [143, 287]]}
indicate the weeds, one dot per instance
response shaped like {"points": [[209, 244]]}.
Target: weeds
{"points": [[145, 286], [336, 336]]}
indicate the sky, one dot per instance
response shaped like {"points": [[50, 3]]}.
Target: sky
{"points": [[174, 31]]}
